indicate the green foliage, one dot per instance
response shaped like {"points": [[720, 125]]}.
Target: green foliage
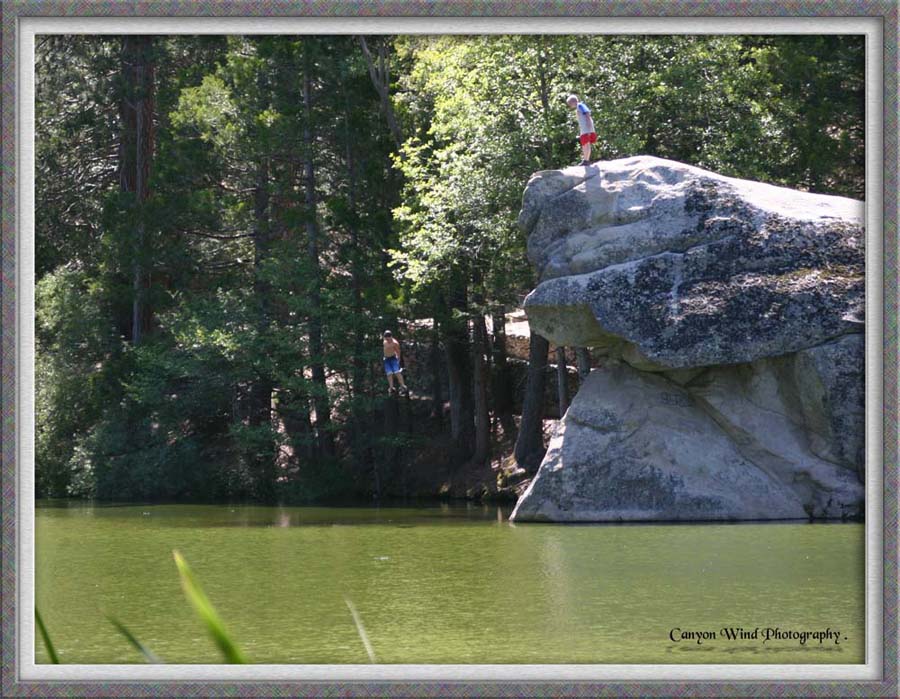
{"points": [[211, 111], [75, 138], [485, 112], [257, 321], [819, 99], [177, 432], [482, 133], [77, 366]]}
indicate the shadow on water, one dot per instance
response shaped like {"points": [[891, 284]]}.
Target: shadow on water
{"points": [[400, 514]]}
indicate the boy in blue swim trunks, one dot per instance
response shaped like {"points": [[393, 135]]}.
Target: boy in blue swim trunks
{"points": [[392, 362]]}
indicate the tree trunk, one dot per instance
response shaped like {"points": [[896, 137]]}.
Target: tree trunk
{"points": [[562, 381], [316, 348], [293, 409], [434, 360], [583, 356], [358, 362], [530, 442], [358, 432], [391, 443], [480, 380], [456, 344], [135, 156], [547, 146], [381, 80], [501, 382], [262, 386]]}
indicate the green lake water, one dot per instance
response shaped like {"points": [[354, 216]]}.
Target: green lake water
{"points": [[441, 585]]}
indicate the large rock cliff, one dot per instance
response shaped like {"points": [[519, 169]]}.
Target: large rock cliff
{"points": [[731, 315]]}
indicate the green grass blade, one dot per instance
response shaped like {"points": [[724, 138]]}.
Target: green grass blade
{"points": [[148, 654], [361, 630], [206, 612], [51, 651]]}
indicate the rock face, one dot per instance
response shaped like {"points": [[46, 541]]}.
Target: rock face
{"points": [[731, 313], [690, 267]]}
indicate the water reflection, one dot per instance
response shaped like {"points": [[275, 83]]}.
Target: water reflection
{"points": [[178, 515], [437, 584]]}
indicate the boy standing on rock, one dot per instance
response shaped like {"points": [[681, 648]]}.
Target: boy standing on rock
{"points": [[587, 135], [392, 362]]}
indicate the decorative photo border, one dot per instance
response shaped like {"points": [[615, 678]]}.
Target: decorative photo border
{"points": [[230, 16]]}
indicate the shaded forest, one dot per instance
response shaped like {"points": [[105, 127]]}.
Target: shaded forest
{"points": [[226, 225]]}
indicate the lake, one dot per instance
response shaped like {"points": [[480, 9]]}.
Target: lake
{"points": [[442, 584]]}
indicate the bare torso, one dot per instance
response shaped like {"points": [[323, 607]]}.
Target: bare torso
{"points": [[391, 348]]}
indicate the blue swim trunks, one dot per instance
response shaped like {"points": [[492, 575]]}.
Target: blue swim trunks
{"points": [[392, 365]]}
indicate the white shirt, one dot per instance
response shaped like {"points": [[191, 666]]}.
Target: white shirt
{"points": [[585, 122]]}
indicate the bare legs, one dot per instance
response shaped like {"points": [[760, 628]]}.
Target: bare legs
{"points": [[390, 378]]}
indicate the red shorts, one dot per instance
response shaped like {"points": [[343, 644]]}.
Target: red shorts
{"points": [[587, 138]]}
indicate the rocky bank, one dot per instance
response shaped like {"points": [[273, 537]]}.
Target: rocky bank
{"points": [[730, 313]]}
